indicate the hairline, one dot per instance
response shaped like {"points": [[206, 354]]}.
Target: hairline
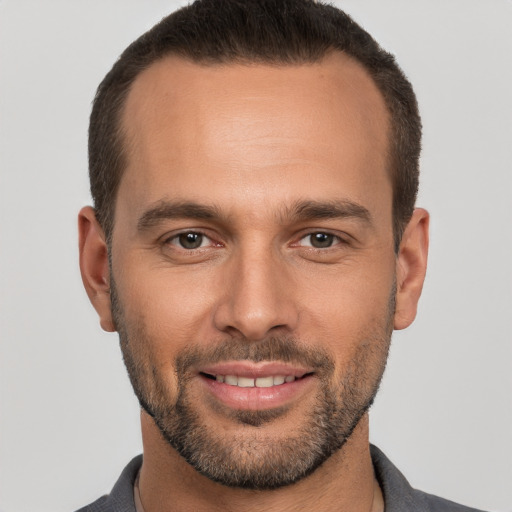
{"points": [[122, 138]]}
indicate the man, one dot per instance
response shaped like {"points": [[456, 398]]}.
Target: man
{"points": [[254, 241]]}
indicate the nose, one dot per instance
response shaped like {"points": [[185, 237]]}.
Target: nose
{"points": [[258, 297]]}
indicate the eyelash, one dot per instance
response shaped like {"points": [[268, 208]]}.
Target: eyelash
{"points": [[175, 240], [334, 239]]}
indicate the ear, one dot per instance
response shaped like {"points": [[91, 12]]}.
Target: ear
{"points": [[94, 265], [411, 268]]}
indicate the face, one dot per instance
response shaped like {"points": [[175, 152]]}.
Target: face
{"points": [[252, 262]]}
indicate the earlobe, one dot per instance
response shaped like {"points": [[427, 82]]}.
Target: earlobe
{"points": [[94, 265], [411, 268]]}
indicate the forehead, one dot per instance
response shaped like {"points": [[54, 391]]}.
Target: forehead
{"points": [[253, 128], [175, 86]]}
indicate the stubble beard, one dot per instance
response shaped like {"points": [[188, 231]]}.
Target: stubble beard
{"points": [[251, 459]]}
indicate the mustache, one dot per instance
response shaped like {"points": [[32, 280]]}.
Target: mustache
{"points": [[277, 348]]}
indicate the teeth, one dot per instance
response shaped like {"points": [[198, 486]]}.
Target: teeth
{"points": [[244, 382], [264, 382], [232, 380], [259, 382]]}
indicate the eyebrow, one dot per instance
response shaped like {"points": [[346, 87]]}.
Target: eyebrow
{"points": [[300, 211], [165, 210], [337, 209]]}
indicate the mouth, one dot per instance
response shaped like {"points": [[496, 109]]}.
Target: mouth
{"points": [[266, 381], [256, 386]]}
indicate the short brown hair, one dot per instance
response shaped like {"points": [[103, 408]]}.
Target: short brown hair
{"points": [[287, 32]]}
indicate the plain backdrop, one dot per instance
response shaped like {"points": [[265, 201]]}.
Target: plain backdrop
{"points": [[68, 420]]}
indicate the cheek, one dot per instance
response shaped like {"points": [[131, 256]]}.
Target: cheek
{"points": [[172, 306], [348, 308]]}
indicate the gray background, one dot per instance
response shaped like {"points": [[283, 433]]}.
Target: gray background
{"points": [[68, 420]]}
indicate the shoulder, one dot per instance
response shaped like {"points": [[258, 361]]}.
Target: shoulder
{"points": [[100, 505], [399, 496], [436, 504], [120, 498]]}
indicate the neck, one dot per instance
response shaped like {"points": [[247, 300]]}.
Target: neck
{"points": [[344, 482]]}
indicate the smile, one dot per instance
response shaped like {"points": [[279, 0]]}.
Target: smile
{"points": [[248, 382], [263, 385]]}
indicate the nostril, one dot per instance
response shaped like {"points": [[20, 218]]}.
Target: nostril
{"points": [[253, 315]]}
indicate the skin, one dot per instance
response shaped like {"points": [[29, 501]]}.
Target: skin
{"points": [[253, 141]]}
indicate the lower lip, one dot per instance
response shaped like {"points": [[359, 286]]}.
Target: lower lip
{"points": [[258, 399]]}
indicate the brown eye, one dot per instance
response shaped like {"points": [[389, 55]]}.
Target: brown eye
{"points": [[321, 240], [190, 240]]}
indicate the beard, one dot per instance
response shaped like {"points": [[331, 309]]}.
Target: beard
{"points": [[251, 458]]}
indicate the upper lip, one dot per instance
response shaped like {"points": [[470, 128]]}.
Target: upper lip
{"points": [[254, 370]]}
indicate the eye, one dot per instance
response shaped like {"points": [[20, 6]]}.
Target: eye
{"points": [[319, 240], [190, 240]]}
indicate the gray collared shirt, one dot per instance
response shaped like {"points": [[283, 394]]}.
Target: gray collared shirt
{"points": [[399, 496]]}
